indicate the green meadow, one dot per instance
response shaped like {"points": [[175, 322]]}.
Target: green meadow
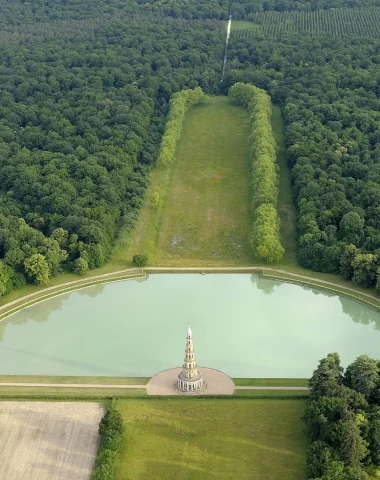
{"points": [[204, 439], [204, 218]]}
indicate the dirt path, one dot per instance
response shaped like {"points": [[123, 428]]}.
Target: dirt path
{"points": [[68, 385], [225, 51], [95, 385]]}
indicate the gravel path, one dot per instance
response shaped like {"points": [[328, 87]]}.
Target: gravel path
{"points": [[95, 385]]}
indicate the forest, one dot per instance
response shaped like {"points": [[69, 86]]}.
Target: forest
{"points": [[339, 22], [81, 123], [343, 419], [328, 89], [84, 96]]}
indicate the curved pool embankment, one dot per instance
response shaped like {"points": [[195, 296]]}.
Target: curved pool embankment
{"points": [[245, 325], [50, 292], [47, 293]]}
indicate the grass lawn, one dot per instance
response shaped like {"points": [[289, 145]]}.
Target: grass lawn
{"points": [[271, 393], [67, 392], [196, 439], [204, 219], [270, 382]]}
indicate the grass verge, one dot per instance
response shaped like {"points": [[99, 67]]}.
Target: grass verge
{"points": [[70, 392], [271, 382], [212, 439], [288, 394]]}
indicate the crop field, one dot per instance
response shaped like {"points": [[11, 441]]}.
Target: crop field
{"points": [[48, 441], [197, 439], [205, 217], [354, 22]]}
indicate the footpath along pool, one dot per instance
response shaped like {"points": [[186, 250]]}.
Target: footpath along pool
{"points": [[244, 325]]}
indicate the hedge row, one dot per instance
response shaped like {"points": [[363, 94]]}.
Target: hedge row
{"points": [[180, 103], [111, 433], [265, 237]]}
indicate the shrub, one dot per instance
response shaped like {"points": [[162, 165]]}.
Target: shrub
{"points": [[80, 266], [140, 260], [111, 429]]}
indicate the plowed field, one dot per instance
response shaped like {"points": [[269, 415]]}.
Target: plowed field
{"points": [[48, 441]]}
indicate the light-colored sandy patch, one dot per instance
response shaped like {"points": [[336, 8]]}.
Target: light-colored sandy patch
{"points": [[48, 440], [217, 383]]}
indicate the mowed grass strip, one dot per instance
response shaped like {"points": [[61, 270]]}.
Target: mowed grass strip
{"points": [[205, 217], [196, 439], [68, 392], [271, 382]]}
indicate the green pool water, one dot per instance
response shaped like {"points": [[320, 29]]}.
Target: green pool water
{"points": [[242, 325]]}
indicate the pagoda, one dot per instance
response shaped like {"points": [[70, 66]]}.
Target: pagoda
{"points": [[190, 380]]}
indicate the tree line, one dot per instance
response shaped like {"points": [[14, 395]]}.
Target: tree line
{"points": [[328, 90], [178, 106], [111, 430], [81, 122], [343, 420], [265, 236]]}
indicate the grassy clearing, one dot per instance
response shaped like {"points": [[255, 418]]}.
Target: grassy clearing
{"points": [[271, 382], [285, 207], [237, 25], [206, 439], [204, 217]]}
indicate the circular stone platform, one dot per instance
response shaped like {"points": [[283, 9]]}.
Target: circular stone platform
{"points": [[217, 383]]}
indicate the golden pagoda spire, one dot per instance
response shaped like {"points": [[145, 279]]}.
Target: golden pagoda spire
{"points": [[189, 379]]}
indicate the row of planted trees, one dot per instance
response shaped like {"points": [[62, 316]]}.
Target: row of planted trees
{"points": [[180, 103], [265, 237]]}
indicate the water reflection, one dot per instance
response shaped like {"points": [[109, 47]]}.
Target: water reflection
{"points": [[93, 291], [245, 325], [39, 315], [264, 284], [358, 314]]}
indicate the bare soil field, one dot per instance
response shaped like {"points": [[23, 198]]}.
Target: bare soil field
{"points": [[48, 441]]}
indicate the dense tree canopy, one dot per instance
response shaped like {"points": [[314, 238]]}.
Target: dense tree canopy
{"points": [[81, 119], [84, 92], [328, 89], [343, 419]]}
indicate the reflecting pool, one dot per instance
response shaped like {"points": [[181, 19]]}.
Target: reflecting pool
{"points": [[242, 325]]}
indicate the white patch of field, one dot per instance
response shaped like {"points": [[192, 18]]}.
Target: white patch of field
{"points": [[48, 440]]}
